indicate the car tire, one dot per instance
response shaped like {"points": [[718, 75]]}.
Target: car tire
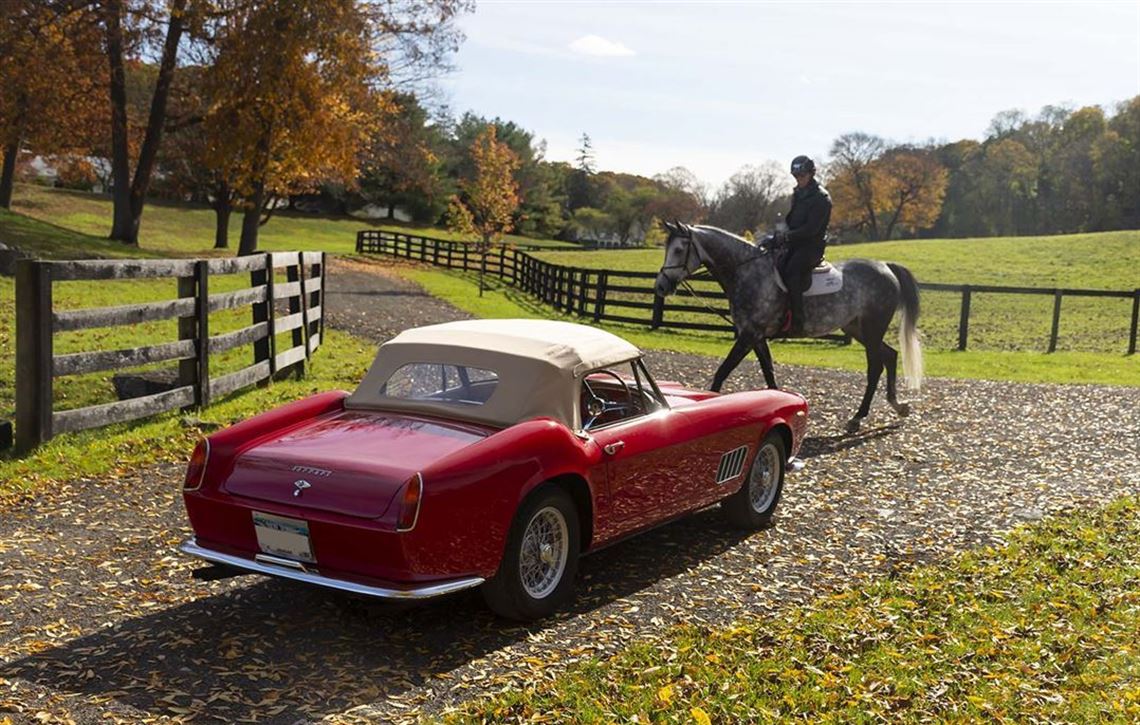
{"points": [[536, 575], [753, 506]]}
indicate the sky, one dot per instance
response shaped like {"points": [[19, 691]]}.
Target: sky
{"points": [[715, 86]]}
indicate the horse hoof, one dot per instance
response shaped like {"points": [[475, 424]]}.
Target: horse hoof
{"points": [[903, 410], [853, 425]]}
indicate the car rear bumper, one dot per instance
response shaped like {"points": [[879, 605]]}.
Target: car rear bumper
{"points": [[297, 571]]}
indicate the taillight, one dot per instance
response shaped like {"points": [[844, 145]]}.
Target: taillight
{"points": [[196, 471], [410, 503]]}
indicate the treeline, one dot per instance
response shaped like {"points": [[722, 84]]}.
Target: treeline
{"points": [[1062, 171]]}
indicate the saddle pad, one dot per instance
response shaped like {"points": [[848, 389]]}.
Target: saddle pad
{"points": [[825, 280]]}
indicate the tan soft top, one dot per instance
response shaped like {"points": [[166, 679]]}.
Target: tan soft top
{"points": [[539, 364]]}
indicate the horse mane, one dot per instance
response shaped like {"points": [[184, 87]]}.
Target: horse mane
{"points": [[725, 232]]}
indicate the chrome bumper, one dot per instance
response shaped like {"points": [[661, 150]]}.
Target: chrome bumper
{"points": [[295, 570]]}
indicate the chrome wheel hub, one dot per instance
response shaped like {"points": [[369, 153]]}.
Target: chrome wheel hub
{"points": [[763, 480], [545, 549]]}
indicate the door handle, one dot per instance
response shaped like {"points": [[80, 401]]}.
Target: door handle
{"points": [[612, 448]]}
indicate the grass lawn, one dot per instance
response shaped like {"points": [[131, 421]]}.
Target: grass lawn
{"points": [[1042, 629], [170, 229]]}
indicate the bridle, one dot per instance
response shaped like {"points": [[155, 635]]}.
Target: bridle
{"points": [[684, 281]]}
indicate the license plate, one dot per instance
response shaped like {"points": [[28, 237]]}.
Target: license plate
{"points": [[283, 537]]}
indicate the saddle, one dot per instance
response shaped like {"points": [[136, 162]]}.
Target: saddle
{"points": [[825, 280]]}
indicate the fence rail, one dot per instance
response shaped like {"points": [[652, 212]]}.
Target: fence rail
{"points": [[591, 292], [37, 366]]}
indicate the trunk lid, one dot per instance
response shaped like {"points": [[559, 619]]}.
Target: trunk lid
{"points": [[351, 462]]}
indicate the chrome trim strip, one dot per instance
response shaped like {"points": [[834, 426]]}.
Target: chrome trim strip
{"points": [[427, 591], [419, 500]]}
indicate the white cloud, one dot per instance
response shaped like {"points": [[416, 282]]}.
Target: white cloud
{"points": [[597, 45]]}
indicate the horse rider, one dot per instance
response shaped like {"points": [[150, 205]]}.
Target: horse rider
{"points": [[804, 239]]}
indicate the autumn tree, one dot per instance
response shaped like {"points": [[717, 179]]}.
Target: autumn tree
{"points": [[50, 83], [913, 187], [403, 165], [854, 184], [297, 90], [490, 193]]}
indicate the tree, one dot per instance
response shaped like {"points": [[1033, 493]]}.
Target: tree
{"points": [[124, 23], [403, 165], [914, 186], [747, 202], [49, 84], [490, 194], [853, 183]]}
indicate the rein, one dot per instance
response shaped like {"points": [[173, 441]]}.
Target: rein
{"points": [[689, 288]]}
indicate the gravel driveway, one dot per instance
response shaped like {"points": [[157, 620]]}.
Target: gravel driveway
{"points": [[99, 619]]}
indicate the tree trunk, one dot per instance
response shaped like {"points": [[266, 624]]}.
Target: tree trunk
{"points": [[11, 153], [148, 152], [120, 161], [391, 210], [223, 205], [251, 221]]}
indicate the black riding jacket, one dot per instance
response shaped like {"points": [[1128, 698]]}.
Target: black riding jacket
{"points": [[808, 218]]}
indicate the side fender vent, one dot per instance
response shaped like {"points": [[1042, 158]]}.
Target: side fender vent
{"points": [[731, 464]]}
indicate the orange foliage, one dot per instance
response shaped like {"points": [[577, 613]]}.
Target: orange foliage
{"points": [[492, 194]]}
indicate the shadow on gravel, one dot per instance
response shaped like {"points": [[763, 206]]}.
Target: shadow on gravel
{"points": [[284, 652], [825, 445]]}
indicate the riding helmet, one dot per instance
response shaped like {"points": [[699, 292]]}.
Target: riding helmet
{"points": [[802, 164]]}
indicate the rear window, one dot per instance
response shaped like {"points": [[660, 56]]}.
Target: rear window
{"points": [[443, 382]]}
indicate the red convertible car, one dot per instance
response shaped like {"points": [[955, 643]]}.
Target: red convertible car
{"points": [[487, 453]]}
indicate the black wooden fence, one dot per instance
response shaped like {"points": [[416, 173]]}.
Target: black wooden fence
{"points": [[36, 322], [618, 296]]}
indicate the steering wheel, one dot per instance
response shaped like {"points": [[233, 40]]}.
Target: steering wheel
{"points": [[599, 406]]}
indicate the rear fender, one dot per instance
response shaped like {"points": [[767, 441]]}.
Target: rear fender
{"points": [[471, 496], [226, 445]]}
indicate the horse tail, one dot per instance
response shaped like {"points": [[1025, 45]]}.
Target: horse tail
{"points": [[909, 342]]}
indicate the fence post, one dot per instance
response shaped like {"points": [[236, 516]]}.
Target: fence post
{"points": [[296, 302], [583, 280], [266, 348], [1056, 320], [360, 241], [33, 354], [1135, 321], [303, 275], [658, 311], [202, 313], [321, 302], [600, 297], [964, 318]]}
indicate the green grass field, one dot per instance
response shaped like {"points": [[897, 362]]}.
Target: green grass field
{"points": [[170, 229], [1042, 629]]}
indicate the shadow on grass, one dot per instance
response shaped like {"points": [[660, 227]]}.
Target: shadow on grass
{"points": [[284, 652]]}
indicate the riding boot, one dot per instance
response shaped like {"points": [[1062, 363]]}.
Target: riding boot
{"points": [[796, 305]]}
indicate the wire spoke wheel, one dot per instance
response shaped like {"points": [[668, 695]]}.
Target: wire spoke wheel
{"points": [[544, 551], [764, 479]]}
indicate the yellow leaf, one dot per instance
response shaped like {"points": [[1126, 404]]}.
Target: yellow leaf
{"points": [[665, 694], [700, 716]]}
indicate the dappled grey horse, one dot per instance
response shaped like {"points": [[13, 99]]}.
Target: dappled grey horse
{"points": [[862, 308]]}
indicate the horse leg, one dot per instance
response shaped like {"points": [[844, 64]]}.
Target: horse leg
{"points": [[891, 359], [735, 355], [874, 371], [765, 356]]}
